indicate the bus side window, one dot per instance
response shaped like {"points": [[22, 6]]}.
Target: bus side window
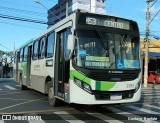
{"points": [[35, 50], [42, 44], [21, 54], [50, 45], [67, 42], [25, 54]]}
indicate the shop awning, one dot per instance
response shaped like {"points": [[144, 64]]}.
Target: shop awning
{"points": [[154, 55]]}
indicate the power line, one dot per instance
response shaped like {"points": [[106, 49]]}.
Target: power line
{"points": [[22, 10], [21, 4], [23, 16], [22, 19], [21, 25], [14, 12]]}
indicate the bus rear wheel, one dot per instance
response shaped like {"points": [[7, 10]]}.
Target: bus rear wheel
{"points": [[22, 87], [51, 97]]}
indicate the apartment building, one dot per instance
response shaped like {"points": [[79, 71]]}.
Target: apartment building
{"points": [[58, 12]]}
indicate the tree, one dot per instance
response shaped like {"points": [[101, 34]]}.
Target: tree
{"points": [[6, 59]]}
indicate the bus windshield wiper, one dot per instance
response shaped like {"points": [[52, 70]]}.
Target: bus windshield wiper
{"points": [[103, 42]]}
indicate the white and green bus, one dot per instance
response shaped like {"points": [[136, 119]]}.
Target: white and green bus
{"points": [[85, 58]]}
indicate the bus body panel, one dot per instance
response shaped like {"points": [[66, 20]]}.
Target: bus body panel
{"points": [[79, 96], [39, 73]]}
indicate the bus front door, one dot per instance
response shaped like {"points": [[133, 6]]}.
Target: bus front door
{"points": [[61, 64], [29, 65]]}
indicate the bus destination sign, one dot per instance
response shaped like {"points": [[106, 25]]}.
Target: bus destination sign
{"points": [[120, 24]]}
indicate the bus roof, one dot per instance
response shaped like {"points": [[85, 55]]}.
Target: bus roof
{"points": [[26, 43]]}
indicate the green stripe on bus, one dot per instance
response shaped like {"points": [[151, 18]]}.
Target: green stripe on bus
{"points": [[104, 86], [98, 85], [78, 75]]}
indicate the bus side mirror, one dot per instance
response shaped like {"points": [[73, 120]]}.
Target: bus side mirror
{"points": [[70, 46]]}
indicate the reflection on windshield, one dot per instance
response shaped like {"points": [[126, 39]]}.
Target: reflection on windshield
{"points": [[114, 51]]}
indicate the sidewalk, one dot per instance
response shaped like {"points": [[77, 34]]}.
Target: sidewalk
{"points": [[151, 86]]}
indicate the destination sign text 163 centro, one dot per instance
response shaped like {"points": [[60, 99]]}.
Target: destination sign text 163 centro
{"points": [[121, 24]]}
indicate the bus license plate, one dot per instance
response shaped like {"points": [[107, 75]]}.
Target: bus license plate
{"points": [[115, 96]]}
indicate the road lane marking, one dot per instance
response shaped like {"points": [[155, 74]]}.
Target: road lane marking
{"points": [[104, 117], [153, 106], [21, 103], [152, 97], [71, 119], [36, 111], [9, 87], [143, 110], [157, 94], [1, 121], [118, 111], [9, 93], [150, 91], [13, 99]]}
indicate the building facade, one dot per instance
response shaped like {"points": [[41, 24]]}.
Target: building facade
{"points": [[58, 12]]}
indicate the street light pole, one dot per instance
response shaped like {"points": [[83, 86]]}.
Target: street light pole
{"points": [[37, 1]]}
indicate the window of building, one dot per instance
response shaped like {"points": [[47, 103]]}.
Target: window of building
{"points": [[50, 45]]}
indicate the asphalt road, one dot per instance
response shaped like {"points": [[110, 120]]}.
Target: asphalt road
{"points": [[30, 106]]}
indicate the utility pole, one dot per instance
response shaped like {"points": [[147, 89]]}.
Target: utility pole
{"points": [[148, 22], [147, 41], [66, 8]]}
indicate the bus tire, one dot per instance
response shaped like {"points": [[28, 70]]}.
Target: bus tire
{"points": [[22, 87], [51, 97], [47, 88]]}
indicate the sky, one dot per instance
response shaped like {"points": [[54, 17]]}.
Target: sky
{"points": [[18, 32]]}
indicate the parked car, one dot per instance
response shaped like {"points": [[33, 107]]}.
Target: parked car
{"points": [[153, 77]]}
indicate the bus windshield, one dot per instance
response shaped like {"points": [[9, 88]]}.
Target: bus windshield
{"points": [[103, 50]]}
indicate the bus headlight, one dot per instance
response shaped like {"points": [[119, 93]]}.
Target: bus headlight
{"points": [[87, 87], [137, 86], [78, 82], [83, 85]]}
